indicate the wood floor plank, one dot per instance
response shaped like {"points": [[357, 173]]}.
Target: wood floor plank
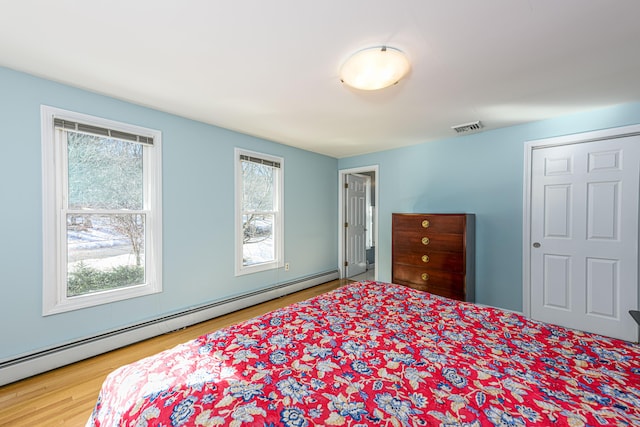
{"points": [[66, 396]]}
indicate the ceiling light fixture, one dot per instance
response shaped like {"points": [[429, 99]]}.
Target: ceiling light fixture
{"points": [[374, 68]]}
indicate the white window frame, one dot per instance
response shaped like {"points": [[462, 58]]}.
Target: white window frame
{"points": [[54, 191], [278, 220]]}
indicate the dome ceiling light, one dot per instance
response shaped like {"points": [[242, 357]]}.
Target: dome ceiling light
{"points": [[374, 68]]}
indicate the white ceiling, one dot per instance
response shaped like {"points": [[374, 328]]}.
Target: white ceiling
{"points": [[270, 68]]}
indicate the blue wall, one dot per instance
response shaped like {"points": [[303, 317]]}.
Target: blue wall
{"points": [[480, 173], [198, 215]]}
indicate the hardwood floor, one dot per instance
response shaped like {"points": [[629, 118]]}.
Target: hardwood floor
{"points": [[66, 396]]}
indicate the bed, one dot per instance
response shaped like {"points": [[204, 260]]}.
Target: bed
{"points": [[373, 353]]}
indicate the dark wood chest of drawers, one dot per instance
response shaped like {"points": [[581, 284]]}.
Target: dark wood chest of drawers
{"points": [[435, 253]]}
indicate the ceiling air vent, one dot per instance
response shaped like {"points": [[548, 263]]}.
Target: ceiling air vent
{"points": [[467, 127]]}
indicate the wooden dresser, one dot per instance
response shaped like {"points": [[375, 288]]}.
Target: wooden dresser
{"points": [[435, 253]]}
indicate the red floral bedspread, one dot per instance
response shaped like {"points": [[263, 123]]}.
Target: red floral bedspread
{"points": [[379, 354]]}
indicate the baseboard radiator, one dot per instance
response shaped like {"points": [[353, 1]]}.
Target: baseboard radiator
{"points": [[45, 360]]}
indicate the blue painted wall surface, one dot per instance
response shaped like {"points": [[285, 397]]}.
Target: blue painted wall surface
{"points": [[480, 173], [198, 215]]}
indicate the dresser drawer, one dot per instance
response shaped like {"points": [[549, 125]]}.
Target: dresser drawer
{"points": [[433, 260], [448, 292], [403, 273], [406, 240], [447, 224], [443, 291]]}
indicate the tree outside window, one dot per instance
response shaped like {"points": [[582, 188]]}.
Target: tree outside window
{"points": [[105, 243]]}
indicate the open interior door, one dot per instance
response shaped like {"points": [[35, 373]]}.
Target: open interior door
{"points": [[355, 224]]}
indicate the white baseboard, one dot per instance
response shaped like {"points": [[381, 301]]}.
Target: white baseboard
{"points": [[35, 363]]}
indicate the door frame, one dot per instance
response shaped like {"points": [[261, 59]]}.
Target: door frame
{"points": [[529, 146], [342, 173]]}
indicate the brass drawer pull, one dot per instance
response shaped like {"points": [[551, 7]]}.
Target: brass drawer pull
{"points": [[425, 276], [425, 240], [425, 258], [425, 223]]}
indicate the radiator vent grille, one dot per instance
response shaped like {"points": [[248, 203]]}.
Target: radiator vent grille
{"points": [[467, 127]]}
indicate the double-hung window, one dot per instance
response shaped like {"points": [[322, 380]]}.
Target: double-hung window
{"points": [[259, 231], [101, 210]]}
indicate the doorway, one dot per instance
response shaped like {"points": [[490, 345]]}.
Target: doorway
{"points": [[358, 223], [581, 231]]}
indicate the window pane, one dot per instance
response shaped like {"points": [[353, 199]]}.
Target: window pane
{"points": [[257, 239], [257, 187], [104, 173], [104, 252]]}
